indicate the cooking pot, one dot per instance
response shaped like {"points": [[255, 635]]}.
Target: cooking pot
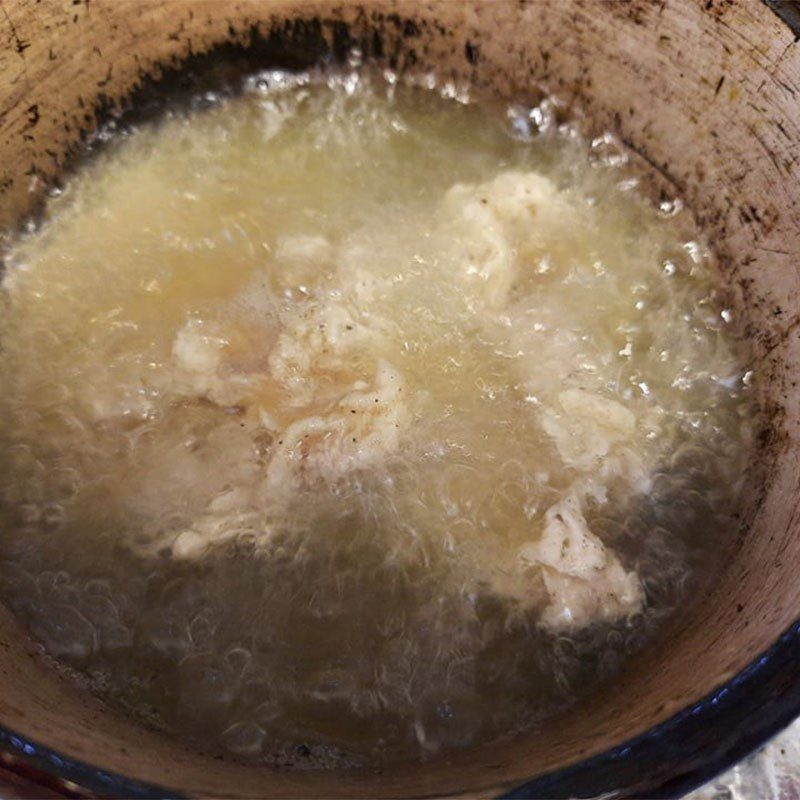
{"points": [[707, 92]]}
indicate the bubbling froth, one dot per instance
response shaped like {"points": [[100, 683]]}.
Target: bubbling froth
{"points": [[348, 419]]}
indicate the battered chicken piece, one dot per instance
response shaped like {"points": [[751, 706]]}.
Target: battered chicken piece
{"points": [[220, 364], [587, 426], [500, 223], [313, 357], [308, 390], [364, 427], [596, 436], [585, 581]]}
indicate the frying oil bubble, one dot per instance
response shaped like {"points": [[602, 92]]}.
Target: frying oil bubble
{"points": [[348, 419]]}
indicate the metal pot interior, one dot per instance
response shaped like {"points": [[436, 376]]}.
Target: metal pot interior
{"points": [[706, 93]]}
